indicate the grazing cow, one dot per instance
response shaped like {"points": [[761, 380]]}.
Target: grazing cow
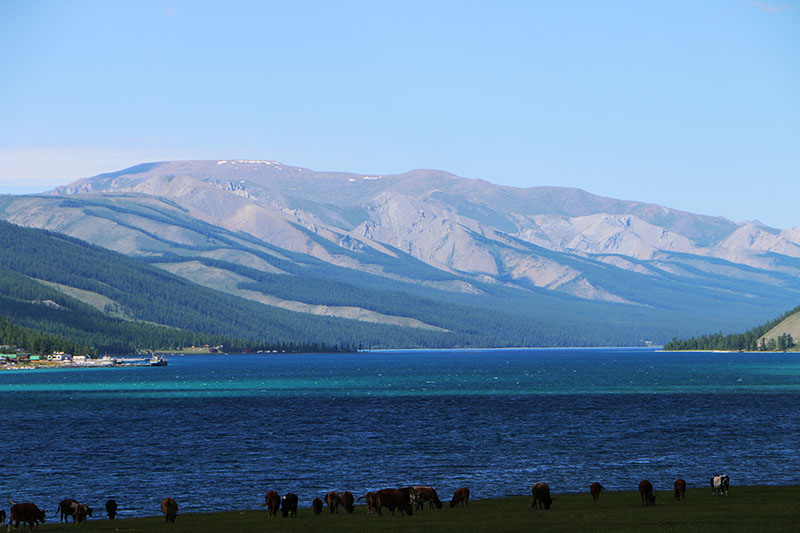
{"points": [[595, 488], [394, 499], [82, 512], [646, 493], [460, 496], [316, 505], [347, 501], [272, 501], [420, 495], [369, 499], [170, 509], [27, 513], [541, 496], [289, 505], [720, 485], [111, 509], [333, 500], [680, 490], [67, 509]]}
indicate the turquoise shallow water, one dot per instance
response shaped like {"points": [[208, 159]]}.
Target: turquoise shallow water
{"points": [[430, 373], [225, 429]]}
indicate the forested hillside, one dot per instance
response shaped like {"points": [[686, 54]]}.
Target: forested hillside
{"points": [[144, 295], [751, 340], [164, 311], [29, 340], [55, 321]]}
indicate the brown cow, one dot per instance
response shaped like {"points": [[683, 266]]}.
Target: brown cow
{"points": [[82, 512], [333, 500], [316, 505], [170, 509], [67, 509], [394, 499], [460, 496], [27, 513], [369, 498], [111, 509], [272, 501], [347, 501], [541, 496], [595, 488], [289, 505], [420, 495], [680, 489], [646, 493]]}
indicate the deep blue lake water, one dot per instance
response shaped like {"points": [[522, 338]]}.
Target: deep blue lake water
{"points": [[219, 431]]}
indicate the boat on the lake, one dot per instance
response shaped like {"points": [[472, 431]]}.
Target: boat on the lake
{"points": [[158, 360]]}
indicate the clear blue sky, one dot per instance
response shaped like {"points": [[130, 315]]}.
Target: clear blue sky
{"points": [[692, 105]]}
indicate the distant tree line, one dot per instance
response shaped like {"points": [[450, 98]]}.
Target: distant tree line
{"points": [[747, 341], [96, 334], [14, 337]]}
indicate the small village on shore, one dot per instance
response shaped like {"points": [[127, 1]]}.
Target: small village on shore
{"points": [[19, 360]]}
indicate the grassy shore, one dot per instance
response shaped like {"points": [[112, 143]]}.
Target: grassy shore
{"points": [[745, 509]]}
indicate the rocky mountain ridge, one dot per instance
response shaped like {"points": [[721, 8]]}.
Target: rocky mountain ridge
{"points": [[424, 228], [446, 221]]}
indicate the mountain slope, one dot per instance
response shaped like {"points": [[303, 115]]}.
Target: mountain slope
{"points": [[58, 284], [560, 265], [788, 326], [781, 333], [47, 281]]}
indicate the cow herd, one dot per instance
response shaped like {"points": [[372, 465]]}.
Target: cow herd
{"points": [[719, 487], [404, 500], [29, 513]]}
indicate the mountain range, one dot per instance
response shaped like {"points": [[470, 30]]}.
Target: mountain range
{"points": [[429, 251]]}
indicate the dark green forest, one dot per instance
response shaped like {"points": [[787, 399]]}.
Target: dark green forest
{"points": [[29, 340], [53, 321], [747, 341]]}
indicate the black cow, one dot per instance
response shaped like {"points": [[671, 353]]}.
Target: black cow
{"points": [[289, 505], [111, 509], [347, 501]]}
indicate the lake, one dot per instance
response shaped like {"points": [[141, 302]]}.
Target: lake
{"points": [[218, 431]]}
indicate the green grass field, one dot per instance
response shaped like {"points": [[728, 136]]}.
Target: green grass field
{"points": [[745, 509]]}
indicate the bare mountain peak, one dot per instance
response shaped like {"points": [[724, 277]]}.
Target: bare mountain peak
{"points": [[454, 224]]}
